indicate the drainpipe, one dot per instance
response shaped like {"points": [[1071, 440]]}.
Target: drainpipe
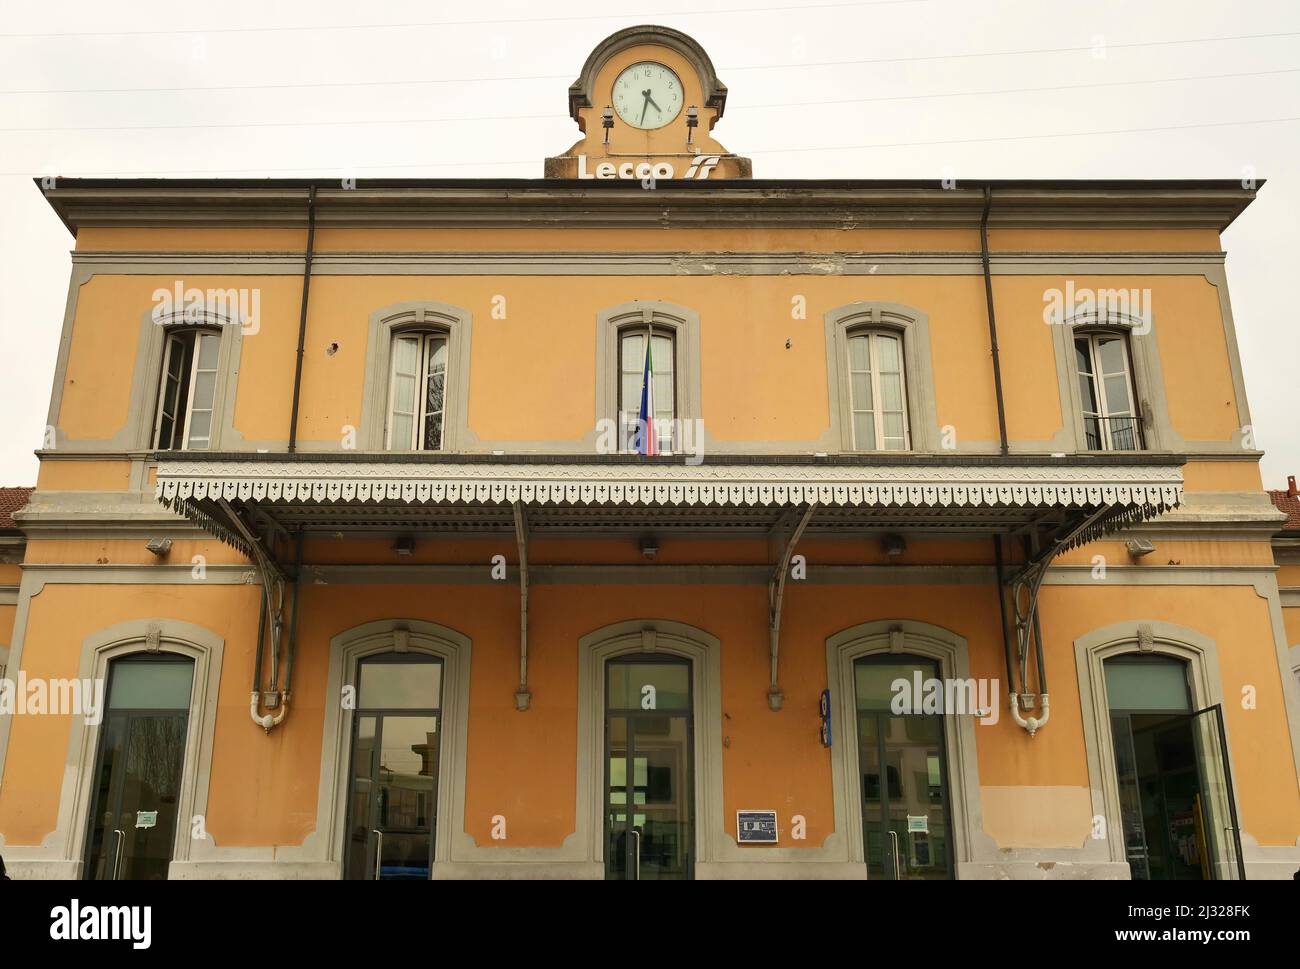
{"points": [[302, 317], [993, 324]]}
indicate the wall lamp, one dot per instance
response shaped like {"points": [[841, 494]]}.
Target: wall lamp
{"points": [[1138, 547], [649, 547], [607, 121], [159, 546], [893, 545], [404, 545], [692, 122]]}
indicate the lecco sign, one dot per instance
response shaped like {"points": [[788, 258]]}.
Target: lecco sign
{"points": [[700, 167]]}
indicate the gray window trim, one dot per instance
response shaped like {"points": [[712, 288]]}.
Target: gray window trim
{"points": [[1156, 637], [138, 435], [1144, 371], [427, 315], [914, 327], [683, 322]]}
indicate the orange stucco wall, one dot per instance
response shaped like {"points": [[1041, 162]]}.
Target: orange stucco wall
{"points": [[264, 788], [755, 388]]}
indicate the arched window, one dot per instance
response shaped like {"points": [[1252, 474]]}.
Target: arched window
{"points": [[877, 390], [649, 381], [187, 389], [1111, 421], [417, 390]]}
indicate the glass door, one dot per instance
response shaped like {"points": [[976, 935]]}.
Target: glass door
{"points": [[1216, 806], [903, 774], [392, 808], [649, 776], [1171, 763], [138, 768]]}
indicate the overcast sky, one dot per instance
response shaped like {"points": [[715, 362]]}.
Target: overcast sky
{"points": [[1135, 89]]}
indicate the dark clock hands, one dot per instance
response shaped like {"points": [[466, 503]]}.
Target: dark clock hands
{"points": [[648, 102]]}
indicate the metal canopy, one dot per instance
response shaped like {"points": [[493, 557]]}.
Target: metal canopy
{"points": [[260, 502], [948, 494]]}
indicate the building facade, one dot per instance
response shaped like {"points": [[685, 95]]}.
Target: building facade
{"points": [[648, 520]]}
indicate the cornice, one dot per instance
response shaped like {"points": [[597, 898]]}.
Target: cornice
{"points": [[558, 203]]}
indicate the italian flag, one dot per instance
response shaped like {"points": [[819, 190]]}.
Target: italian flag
{"points": [[647, 440]]}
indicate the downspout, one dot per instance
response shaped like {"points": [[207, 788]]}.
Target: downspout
{"points": [[302, 317], [993, 324]]}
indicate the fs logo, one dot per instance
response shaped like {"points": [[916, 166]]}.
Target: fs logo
{"points": [[702, 165]]}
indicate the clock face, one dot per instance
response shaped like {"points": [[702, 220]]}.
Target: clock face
{"points": [[647, 95]]}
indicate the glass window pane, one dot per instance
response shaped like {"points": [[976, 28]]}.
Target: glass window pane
{"points": [[402, 427], [205, 385], [887, 354], [891, 391], [873, 681], [859, 353], [200, 426], [1117, 399], [860, 386], [150, 684], [1110, 354], [1081, 358], [633, 352], [209, 347], [1087, 394], [627, 683], [864, 430], [404, 395], [893, 425], [1147, 683], [412, 684]]}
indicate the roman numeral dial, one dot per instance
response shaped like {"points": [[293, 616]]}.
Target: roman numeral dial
{"points": [[647, 95]]}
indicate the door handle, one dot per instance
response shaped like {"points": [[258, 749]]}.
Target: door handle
{"points": [[893, 837], [117, 853], [379, 849], [636, 869]]}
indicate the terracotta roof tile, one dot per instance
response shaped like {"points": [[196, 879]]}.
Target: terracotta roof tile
{"points": [[11, 499], [1288, 501]]}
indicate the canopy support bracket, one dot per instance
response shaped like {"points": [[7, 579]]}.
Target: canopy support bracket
{"points": [[776, 597], [523, 698]]}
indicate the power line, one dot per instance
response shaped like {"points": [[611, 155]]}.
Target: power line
{"points": [[735, 68], [449, 23], [367, 122], [153, 173]]}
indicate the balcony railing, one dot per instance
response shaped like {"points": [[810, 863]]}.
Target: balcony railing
{"points": [[1114, 433]]}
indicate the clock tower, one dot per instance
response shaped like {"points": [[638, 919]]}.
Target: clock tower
{"points": [[646, 102]]}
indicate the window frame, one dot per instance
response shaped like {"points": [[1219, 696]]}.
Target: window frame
{"points": [[174, 337], [683, 324], [624, 332], [912, 327], [429, 339], [872, 334], [1092, 334], [385, 326]]}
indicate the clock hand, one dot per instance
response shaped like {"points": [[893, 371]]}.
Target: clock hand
{"points": [[644, 106], [657, 108]]}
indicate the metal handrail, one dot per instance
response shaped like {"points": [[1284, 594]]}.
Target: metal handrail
{"points": [[1123, 433]]}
